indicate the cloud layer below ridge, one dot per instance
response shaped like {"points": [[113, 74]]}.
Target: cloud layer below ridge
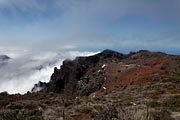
{"points": [[19, 74]]}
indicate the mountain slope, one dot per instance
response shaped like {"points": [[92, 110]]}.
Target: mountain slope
{"points": [[112, 71], [141, 85]]}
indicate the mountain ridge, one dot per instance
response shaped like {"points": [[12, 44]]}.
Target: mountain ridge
{"points": [[141, 85], [76, 76]]}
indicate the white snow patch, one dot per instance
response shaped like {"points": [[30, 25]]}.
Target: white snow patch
{"points": [[103, 66], [104, 88], [134, 104], [94, 95]]}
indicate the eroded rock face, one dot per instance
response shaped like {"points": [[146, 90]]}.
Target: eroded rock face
{"points": [[72, 77]]}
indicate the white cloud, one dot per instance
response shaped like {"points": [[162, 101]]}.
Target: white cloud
{"points": [[22, 72], [12, 52]]}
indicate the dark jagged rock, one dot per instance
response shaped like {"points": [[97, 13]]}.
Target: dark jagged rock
{"points": [[110, 53], [69, 77], [39, 86]]}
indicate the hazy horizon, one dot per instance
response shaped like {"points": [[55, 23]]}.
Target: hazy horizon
{"points": [[91, 25]]}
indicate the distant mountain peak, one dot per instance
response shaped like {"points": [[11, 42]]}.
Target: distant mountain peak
{"points": [[4, 57]]}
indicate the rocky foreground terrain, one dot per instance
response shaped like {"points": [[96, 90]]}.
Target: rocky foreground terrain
{"points": [[141, 85]]}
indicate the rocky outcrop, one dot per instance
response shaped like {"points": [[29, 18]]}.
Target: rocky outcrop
{"points": [[72, 77], [39, 86]]}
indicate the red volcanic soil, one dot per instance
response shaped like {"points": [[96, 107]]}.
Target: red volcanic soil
{"points": [[123, 74]]}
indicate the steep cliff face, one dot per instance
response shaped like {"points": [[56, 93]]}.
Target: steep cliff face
{"points": [[72, 77]]}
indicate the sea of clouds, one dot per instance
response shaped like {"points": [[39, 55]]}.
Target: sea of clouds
{"points": [[26, 67]]}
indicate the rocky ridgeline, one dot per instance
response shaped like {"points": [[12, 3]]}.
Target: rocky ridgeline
{"points": [[142, 85], [86, 75], [72, 75]]}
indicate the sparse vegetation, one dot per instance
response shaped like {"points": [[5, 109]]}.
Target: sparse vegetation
{"points": [[173, 103], [4, 102], [160, 115], [34, 118]]}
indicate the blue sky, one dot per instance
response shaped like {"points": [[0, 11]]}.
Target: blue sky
{"points": [[123, 25]]}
